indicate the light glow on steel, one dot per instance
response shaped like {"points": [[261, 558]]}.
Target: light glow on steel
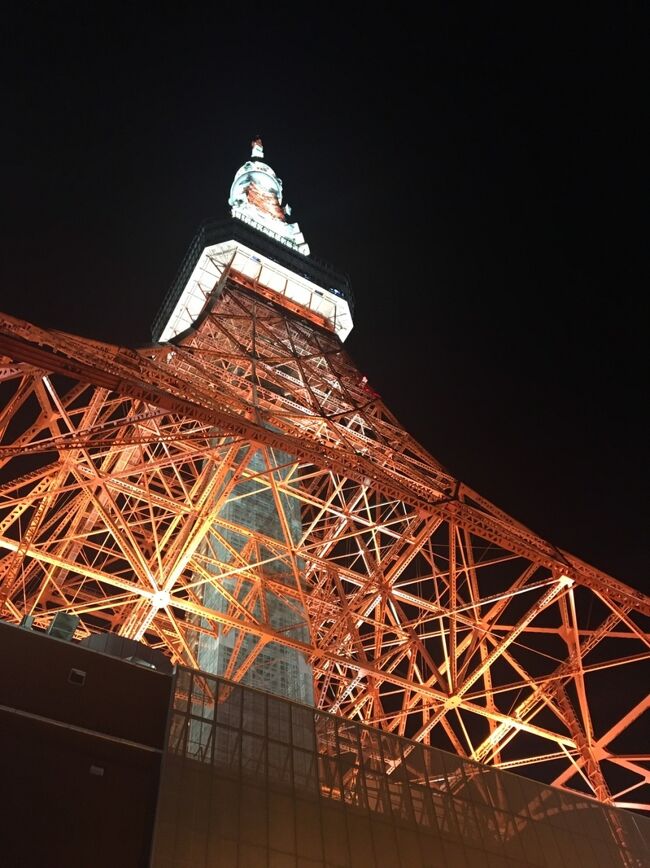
{"points": [[428, 611]]}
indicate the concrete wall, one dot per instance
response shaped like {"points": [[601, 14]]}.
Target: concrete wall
{"points": [[79, 763]]}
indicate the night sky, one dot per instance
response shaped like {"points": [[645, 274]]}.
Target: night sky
{"points": [[479, 177]]}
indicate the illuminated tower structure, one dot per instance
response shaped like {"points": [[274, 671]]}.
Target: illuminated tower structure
{"points": [[255, 199], [235, 495]]}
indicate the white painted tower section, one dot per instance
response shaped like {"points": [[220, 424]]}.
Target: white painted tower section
{"points": [[256, 198], [209, 269]]}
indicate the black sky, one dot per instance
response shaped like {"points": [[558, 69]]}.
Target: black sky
{"points": [[480, 176]]}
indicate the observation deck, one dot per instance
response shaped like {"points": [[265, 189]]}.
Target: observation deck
{"points": [[270, 262]]}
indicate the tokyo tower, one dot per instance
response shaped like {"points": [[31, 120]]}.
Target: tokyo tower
{"points": [[237, 496]]}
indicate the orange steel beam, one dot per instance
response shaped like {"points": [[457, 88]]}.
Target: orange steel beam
{"points": [[427, 609]]}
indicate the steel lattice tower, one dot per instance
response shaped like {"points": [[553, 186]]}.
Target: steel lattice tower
{"points": [[236, 495]]}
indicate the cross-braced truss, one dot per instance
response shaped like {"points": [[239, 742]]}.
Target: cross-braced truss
{"points": [[431, 613]]}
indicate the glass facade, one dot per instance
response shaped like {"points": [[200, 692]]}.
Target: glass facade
{"points": [[252, 780]]}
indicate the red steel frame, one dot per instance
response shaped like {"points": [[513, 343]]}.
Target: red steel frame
{"points": [[431, 613]]}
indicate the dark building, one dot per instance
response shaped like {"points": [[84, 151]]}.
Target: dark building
{"points": [[110, 762], [82, 738]]}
